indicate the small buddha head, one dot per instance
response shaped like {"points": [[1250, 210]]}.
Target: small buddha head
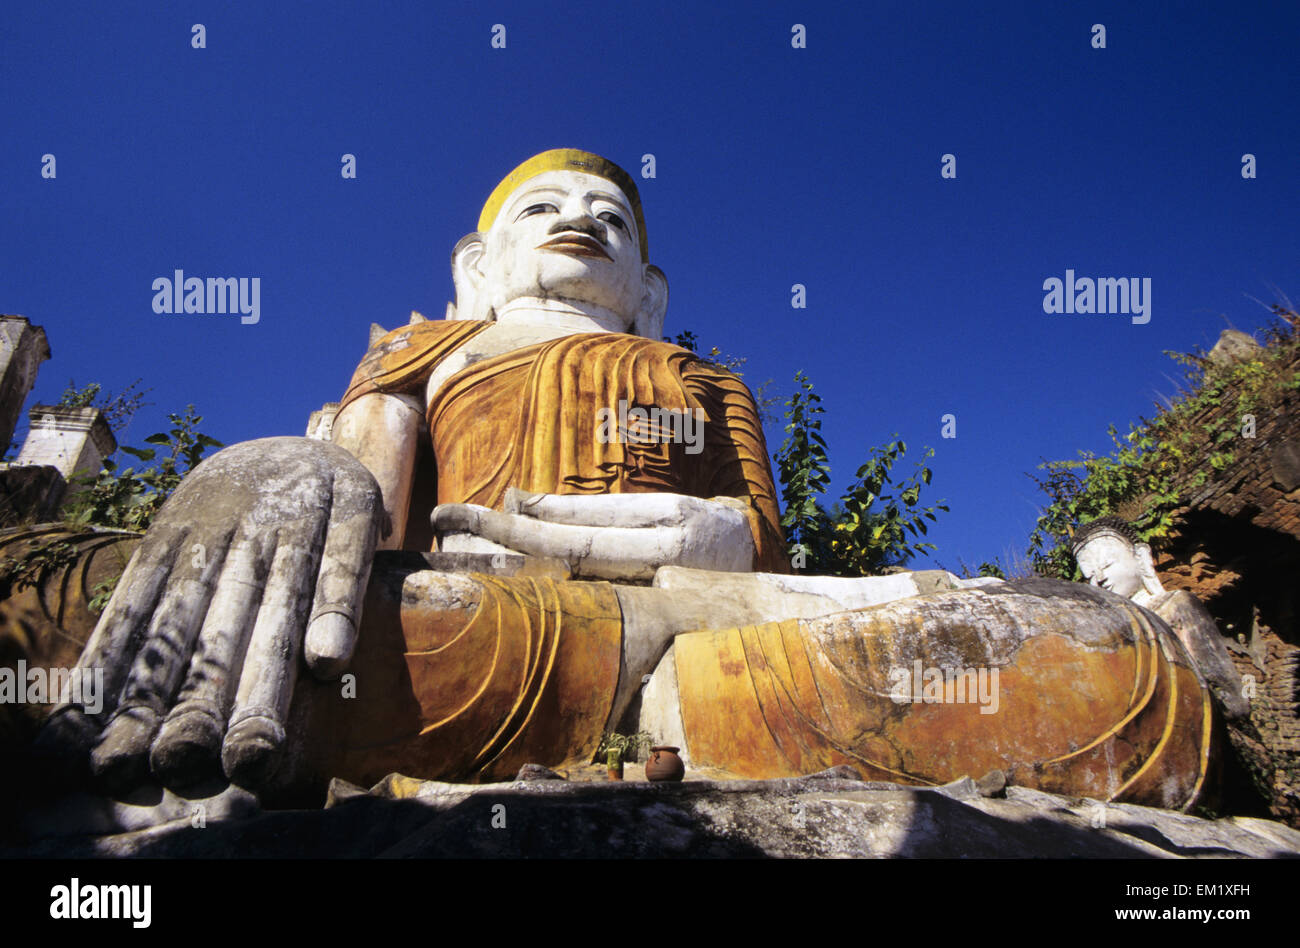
{"points": [[565, 225], [1109, 555]]}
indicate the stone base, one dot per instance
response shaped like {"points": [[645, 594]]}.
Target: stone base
{"points": [[824, 815]]}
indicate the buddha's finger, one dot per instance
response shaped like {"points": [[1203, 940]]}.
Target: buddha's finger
{"points": [[74, 726], [255, 738], [350, 540], [603, 510], [188, 746], [457, 518], [120, 630], [120, 758]]}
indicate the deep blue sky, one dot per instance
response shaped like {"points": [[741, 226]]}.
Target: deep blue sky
{"points": [[775, 166]]}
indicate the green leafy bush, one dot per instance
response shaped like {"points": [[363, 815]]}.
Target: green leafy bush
{"points": [[1152, 470], [123, 499], [129, 499], [868, 528]]}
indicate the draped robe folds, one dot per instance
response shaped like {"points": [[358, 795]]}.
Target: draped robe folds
{"points": [[529, 673], [524, 674], [530, 419], [1095, 695], [1063, 688]]}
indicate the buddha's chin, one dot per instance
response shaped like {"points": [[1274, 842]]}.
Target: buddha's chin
{"points": [[580, 291], [568, 271]]}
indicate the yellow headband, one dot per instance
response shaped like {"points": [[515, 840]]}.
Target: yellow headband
{"points": [[565, 159]]}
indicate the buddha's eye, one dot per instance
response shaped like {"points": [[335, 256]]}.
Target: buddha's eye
{"points": [[532, 209], [610, 217]]}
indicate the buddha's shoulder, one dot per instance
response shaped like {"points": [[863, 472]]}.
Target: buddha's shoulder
{"points": [[406, 342], [642, 345], [430, 332]]}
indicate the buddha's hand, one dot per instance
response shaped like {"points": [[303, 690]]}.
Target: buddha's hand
{"points": [[611, 536], [261, 554]]}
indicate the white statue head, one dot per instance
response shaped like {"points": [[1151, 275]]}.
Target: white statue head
{"points": [[564, 226], [1109, 555]]}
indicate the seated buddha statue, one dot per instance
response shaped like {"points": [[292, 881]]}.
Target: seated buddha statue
{"points": [[655, 580]]}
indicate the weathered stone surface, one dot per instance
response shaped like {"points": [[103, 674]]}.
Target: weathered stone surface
{"points": [[992, 784], [252, 584], [47, 624], [824, 815], [637, 533], [1195, 628], [1051, 666], [1175, 833], [83, 814], [74, 440], [23, 347], [1284, 465], [1234, 346], [394, 567], [320, 424], [750, 598], [536, 772], [770, 596], [29, 494]]}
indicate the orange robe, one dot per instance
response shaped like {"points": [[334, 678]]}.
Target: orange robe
{"points": [[1093, 696], [529, 419], [529, 674], [525, 675]]}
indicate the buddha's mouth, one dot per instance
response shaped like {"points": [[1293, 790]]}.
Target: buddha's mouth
{"points": [[579, 245]]}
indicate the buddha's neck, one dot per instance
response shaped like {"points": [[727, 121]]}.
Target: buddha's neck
{"points": [[561, 314]]}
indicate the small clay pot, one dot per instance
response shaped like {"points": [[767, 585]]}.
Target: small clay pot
{"points": [[614, 765], [664, 764]]}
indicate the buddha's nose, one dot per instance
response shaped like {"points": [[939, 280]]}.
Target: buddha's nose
{"points": [[579, 221]]}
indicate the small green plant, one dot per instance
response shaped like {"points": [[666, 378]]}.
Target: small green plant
{"points": [[766, 403], [625, 747], [804, 471], [34, 566], [123, 499], [117, 408], [871, 529], [103, 592], [74, 397]]}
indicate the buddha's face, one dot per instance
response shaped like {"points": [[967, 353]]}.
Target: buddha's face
{"points": [[565, 235], [1110, 562]]}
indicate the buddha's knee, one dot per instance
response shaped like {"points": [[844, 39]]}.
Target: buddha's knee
{"points": [[412, 610]]}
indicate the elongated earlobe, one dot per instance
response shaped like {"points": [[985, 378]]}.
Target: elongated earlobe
{"points": [[649, 320], [1147, 569], [467, 275]]}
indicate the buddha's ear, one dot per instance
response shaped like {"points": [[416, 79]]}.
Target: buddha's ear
{"points": [[649, 320], [1150, 578], [468, 277]]}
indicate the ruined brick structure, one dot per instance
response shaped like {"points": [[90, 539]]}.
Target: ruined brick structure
{"points": [[1236, 546]]}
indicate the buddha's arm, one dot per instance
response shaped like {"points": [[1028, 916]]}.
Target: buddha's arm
{"points": [[609, 536], [381, 431], [724, 517], [738, 459]]}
